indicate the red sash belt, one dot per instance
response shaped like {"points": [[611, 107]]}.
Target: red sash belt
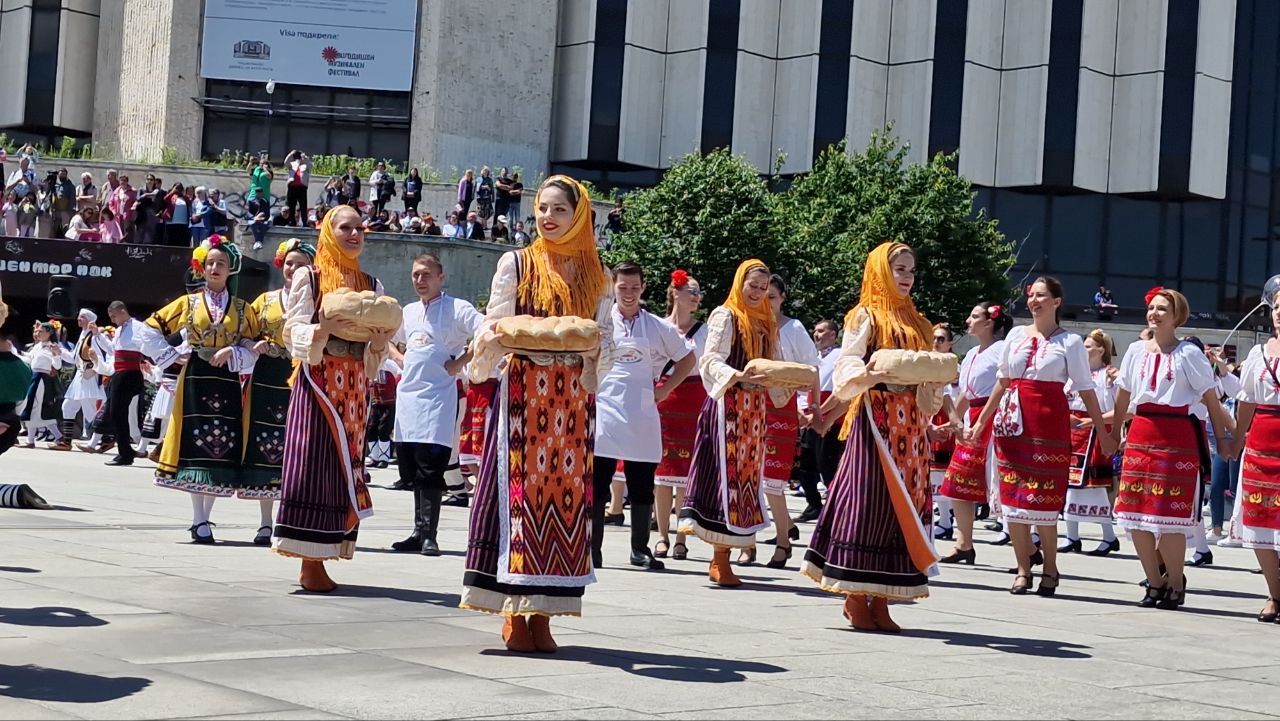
{"points": [[128, 360]]}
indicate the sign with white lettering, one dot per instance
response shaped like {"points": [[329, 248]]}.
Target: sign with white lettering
{"points": [[366, 45]]}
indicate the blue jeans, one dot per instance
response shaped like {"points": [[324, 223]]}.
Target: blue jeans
{"points": [[1224, 478]]}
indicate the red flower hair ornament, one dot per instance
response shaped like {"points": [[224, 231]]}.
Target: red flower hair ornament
{"points": [[679, 278], [994, 312], [1151, 294]]}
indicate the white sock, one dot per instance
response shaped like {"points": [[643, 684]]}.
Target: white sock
{"points": [[264, 507], [944, 512], [142, 446], [1198, 536], [96, 440], [1108, 532], [1073, 531], [199, 514]]}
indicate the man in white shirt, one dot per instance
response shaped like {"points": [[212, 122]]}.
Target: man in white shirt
{"points": [[126, 386], [627, 424], [84, 393], [818, 456], [435, 332]]}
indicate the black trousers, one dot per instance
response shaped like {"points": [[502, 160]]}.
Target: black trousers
{"points": [[296, 198], [422, 465], [819, 459], [639, 479], [124, 387]]}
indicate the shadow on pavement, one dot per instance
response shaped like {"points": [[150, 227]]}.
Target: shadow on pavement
{"points": [[408, 595], [50, 684], [1007, 644], [51, 616], [18, 569], [661, 666]]}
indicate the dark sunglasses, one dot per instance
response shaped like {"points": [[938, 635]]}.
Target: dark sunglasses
{"points": [[939, 339]]}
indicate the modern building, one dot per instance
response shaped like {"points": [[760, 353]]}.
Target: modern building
{"points": [[1118, 141]]}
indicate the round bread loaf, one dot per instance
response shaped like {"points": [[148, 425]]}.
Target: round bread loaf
{"points": [[556, 334], [783, 374], [910, 367], [366, 309]]}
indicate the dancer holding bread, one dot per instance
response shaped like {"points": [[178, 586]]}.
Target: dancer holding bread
{"points": [[678, 413], [338, 334], [435, 332], [628, 428], [204, 446], [529, 557], [971, 475], [724, 502], [1032, 427], [872, 542], [1166, 456]]}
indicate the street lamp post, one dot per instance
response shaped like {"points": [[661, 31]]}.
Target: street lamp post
{"points": [[271, 111]]}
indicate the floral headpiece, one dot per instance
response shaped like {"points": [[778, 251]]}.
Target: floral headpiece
{"points": [[108, 330], [57, 325], [679, 278], [201, 253], [290, 245], [994, 312], [1151, 294]]}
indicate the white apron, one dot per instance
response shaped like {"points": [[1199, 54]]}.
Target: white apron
{"points": [[427, 397], [627, 424]]}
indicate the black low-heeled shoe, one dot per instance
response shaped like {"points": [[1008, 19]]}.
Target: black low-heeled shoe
{"points": [[1172, 600], [197, 538], [1164, 571], [1071, 546], [943, 534], [781, 555], [1152, 597], [263, 538], [1037, 559], [1112, 547], [1201, 559], [1018, 589], [1048, 585], [981, 512], [1264, 617], [1003, 540], [960, 556]]}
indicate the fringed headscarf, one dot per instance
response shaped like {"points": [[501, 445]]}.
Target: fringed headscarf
{"points": [[894, 319], [335, 266], [757, 327], [542, 286]]}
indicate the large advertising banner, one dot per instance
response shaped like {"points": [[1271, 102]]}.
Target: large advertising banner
{"points": [[365, 45]]}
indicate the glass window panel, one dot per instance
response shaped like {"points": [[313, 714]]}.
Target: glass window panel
{"points": [[1262, 85], [1133, 237], [1078, 288], [1257, 189], [1075, 233], [1202, 240], [1255, 243], [1129, 290], [1202, 296], [1021, 216]]}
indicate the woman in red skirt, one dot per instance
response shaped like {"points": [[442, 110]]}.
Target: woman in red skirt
{"points": [[1033, 429], [1165, 455], [679, 415], [1089, 491], [1257, 522], [972, 470]]}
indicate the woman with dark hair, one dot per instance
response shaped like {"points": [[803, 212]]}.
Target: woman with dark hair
{"points": [[971, 478], [942, 440], [484, 194], [44, 356], [1165, 454], [1089, 490], [1033, 429], [529, 557], [412, 191]]}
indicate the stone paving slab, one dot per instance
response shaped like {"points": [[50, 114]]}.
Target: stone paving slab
{"points": [[107, 611]]}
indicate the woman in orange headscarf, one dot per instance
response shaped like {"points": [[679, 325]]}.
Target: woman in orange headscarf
{"points": [[871, 542], [323, 495], [529, 557], [724, 502]]}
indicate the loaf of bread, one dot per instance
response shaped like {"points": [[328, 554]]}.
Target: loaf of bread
{"points": [[4, 312], [783, 374], [366, 309], [555, 334], [910, 367]]}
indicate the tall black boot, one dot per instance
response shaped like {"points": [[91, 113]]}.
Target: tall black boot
{"points": [[598, 507], [413, 544], [640, 554], [430, 519]]}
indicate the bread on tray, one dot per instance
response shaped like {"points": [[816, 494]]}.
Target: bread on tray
{"points": [[911, 367], [366, 309], [783, 374], [557, 334]]}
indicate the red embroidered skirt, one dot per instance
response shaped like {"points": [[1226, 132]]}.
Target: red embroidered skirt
{"points": [[966, 475], [679, 416], [1164, 458], [781, 442], [1090, 467], [1034, 467], [1260, 472], [479, 401]]}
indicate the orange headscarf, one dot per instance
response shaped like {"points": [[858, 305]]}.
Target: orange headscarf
{"points": [[542, 285], [757, 328], [336, 266], [895, 321]]}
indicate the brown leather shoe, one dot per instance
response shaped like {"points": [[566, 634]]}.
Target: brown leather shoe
{"points": [[879, 608], [858, 614], [515, 633], [154, 455], [62, 444], [540, 629], [721, 571]]}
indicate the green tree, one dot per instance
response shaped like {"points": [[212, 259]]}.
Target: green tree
{"points": [[833, 216], [709, 213]]}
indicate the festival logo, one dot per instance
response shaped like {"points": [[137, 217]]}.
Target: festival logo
{"points": [[252, 50]]}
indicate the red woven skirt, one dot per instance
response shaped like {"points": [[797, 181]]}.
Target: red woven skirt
{"points": [[1164, 458], [1034, 467], [479, 402], [1260, 471], [966, 475], [781, 443], [679, 416], [1090, 467]]}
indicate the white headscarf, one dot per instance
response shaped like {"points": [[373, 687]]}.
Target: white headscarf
{"points": [[88, 315]]}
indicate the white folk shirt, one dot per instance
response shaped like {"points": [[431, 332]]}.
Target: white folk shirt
{"points": [[1258, 376], [1172, 379], [850, 376], [1228, 387], [979, 371], [301, 332], [627, 423], [1058, 359], [797, 347], [698, 342], [42, 358], [86, 385], [717, 374], [433, 332], [1103, 388]]}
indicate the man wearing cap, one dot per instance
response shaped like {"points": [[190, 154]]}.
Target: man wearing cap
{"points": [[84, 393], [499, 231]]}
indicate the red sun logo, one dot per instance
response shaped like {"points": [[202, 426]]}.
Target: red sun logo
{"points": [[330, 54]]}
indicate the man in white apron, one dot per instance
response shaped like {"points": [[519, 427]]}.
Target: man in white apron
{"points": [[435, 333], [84, 393], [627, 425]]}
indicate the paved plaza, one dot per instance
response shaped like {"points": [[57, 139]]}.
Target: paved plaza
{"points": [[108, 611]]}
